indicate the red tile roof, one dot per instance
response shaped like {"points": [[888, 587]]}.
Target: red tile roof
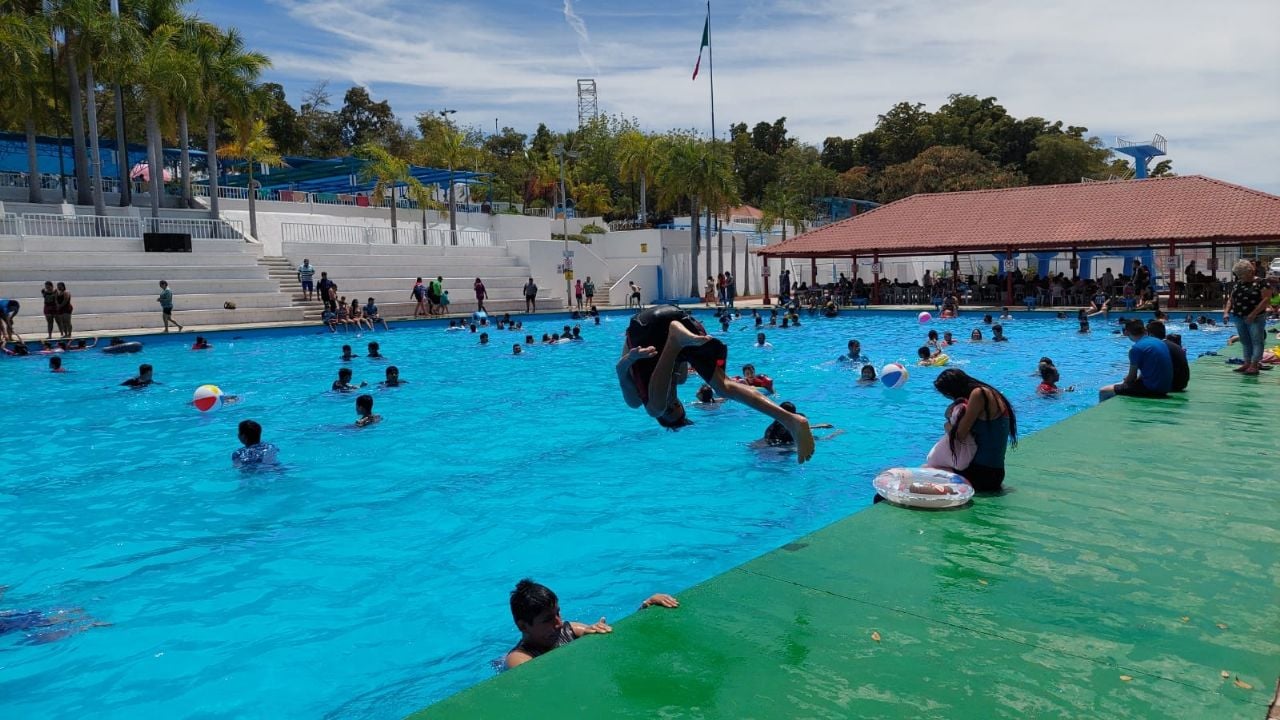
{"points": [[1184, 210]]}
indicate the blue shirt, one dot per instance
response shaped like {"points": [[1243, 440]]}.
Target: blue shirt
{"points": [[1155, 366], [256, 454]]}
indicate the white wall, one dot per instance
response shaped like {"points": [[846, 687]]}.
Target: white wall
{"points": [[521, 227]]}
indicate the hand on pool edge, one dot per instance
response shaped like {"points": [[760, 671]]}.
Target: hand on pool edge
{"points": [[661, 600]]}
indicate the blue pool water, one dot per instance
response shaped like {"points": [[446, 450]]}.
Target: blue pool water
{"points": [[370, 576]]}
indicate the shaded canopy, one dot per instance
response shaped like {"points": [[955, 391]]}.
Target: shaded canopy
{"points": [[1183, 211]]}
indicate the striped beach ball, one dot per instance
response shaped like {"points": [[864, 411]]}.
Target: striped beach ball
{"points": [[893, 375], [207, 398]]}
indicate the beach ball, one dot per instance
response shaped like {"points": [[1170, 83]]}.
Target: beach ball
{"points": [[207, 398], [893, 375], [924, 317]]}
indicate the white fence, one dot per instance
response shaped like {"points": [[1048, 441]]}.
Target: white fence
{"points": [[360, 235], [88, 226]]}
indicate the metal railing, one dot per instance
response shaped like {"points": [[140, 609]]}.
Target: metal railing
{"points": [[89, 226], [537, 212], [360, 235]]}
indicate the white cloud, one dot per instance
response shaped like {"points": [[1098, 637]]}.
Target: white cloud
{"points": [[1205, 75]]}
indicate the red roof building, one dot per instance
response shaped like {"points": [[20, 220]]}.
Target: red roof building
{"points": [[1157, 212]]}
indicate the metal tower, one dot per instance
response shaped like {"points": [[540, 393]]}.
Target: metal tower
{"points": [[1141, 152], [587, 108]]}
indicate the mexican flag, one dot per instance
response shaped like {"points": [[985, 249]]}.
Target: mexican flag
{"points": [[706, 41]]}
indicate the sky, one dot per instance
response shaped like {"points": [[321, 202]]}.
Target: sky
{"points": [[1206, 75]]}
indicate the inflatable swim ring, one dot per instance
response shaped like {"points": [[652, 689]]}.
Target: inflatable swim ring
{"points": [[128, 347], [763, 383], [923, 487], [937, 360]]}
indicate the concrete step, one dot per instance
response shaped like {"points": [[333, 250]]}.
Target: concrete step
{"points": [[155, 274], [145, 303], [314, 250], [53, 260], [103, 322], [31, 243], [149, 287]]}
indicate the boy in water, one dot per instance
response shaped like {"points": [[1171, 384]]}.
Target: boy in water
{"points": [[254, 452], [343, 383], [142, 380], [364, 412], [536, 611], [997, 333], [393, 378], [347, 355], [661, 343], [55, 364], [374, 353]]}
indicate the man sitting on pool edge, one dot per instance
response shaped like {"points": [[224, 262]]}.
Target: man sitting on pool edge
{"points": [[660, 345], [536, 611]]}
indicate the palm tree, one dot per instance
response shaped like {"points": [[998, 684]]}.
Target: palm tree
{"points": [[228, 74], [24, 40], [638, 161], [387, 172], [253, 145], [159, 72], [74, 18], [447, 146], [782, 204], [677, 180], [97, 38], [591, 198]]}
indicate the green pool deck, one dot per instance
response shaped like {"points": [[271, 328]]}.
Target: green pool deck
{"points": [[1132, 561]]}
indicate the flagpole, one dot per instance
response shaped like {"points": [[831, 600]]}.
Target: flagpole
{"points": [[711, 73]]}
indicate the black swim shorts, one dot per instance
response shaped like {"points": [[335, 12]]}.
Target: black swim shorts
{"points": [[1138, 390], [650, 328]]}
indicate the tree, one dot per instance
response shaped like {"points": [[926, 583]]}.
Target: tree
{"points": [[361, 120], [903, 132], [638, 162], [1164, 168], [676, 182], [445, 145], [282, 120], [1063, 158], [225, 92], [321, 127], [254, 146], [159, 72], [24, 40], [945, 169], [837, 153], [387, 172], [591, 199]]}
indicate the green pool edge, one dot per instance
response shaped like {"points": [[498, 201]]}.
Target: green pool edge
{"points": [[1132, 562]]}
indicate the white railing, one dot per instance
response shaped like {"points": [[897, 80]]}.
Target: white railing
{"points": [[315, 233], [359, 235], [619, 285], [537, 212], [80, 226], [88, 226], [196, 228]]}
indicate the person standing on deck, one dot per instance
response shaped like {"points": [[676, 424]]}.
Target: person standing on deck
{"points": [[589, 289], [531, 296], [166, 306], [306, 275], [481, 295]]}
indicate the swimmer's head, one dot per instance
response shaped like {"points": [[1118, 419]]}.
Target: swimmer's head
{"points": [[986, 319], [55, 363], [675, 417], [760, 339], [1156, 329], [933, 334], [705, 394], [516, 349], [868, 372], [473, 327], [453, 323], [997, 329], [144, 371], [373, 348], [947, 336], [484, 338], [785, 321], [923, 353], [1046, 361], [344, 374], [528, 339], [1084, 326], [364, 405], [393, 373], [855, 348], [535, 610], [748, 371], [976, 334], [1048, 373], [250, 432], [346, 350], [1193, 326]]}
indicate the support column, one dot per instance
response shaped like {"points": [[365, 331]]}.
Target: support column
{"points": [[813, 272], [1008, 279], [955, 272], [875, 278], [1171, 276], [765, 274]]}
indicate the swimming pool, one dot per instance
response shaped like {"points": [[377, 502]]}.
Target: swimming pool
{"points": [[370, 577]]}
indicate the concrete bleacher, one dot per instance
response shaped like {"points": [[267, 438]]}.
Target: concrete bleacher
{"points": [[387, 273], [114, 283]]}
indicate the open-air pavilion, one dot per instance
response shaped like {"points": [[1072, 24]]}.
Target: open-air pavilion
{"points": [[1158, 219]]}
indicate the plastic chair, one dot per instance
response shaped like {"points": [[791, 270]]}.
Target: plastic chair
{"points": [[1030, 302]]}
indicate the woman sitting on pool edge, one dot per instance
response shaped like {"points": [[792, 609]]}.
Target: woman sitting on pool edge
{"points": [[989, 419], [660, 344], [536, 611]]}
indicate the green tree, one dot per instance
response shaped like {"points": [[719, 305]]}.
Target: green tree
{"points": [[445, 146], [321, 127], [362, 120], [677, 182], [945, 169], [254, 146], [1063, 158], [160, 71], [225, 92], [282, 119], [591, 199], [387, 172], [24, 40], [638, 162]]}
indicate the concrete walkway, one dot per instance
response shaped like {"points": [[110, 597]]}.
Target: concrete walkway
{"points": [[1130, 571]]}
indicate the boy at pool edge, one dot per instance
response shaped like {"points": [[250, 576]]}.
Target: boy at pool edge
{"points": [[536, 612]]}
